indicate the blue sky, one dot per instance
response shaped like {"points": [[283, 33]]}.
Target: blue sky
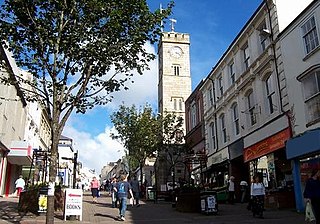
{"points": [[212, 26]]}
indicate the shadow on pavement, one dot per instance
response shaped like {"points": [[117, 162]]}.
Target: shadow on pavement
{"points": [[8, 212]]}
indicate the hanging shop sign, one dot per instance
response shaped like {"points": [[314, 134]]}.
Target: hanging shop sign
{"points": [[267, 145]]}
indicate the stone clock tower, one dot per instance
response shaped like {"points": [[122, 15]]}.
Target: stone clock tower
{"points": [[174, 72]]}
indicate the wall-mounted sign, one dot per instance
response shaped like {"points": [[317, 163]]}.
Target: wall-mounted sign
{"points": [[267, 145]]}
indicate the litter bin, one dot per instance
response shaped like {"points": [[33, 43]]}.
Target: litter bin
{"points": [[209, 202], [151, 193], [42, 199]]}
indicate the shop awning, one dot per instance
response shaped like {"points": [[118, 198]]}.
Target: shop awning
{"points": [[20, 153], [307, 143]]}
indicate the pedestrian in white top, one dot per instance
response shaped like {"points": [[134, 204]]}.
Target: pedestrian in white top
{"points": [[20, 183], [231, 189], [257, 196]]}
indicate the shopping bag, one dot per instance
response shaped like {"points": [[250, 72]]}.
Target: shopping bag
{"points": [[309, 213]]}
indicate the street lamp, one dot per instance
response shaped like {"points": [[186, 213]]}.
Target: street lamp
{"points": [[74, 160]]}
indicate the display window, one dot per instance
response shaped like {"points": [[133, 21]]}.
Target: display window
{"points": [[306, 166]]}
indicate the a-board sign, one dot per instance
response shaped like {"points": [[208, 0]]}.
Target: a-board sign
{"points": [[73, 203]]}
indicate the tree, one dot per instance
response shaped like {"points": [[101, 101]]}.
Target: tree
{"points": [[144, 134], [139, 131], [79, 52]]}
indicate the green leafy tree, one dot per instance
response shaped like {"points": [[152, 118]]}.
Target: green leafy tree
{"points": [[138, 131], [78, 52]]}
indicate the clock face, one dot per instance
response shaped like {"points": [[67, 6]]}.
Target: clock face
{"points": [[176, 52]]}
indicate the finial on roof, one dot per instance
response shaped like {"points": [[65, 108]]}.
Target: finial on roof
{"points": [[173, 21]]}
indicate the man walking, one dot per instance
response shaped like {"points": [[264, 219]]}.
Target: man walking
{"points": [[122, 189], [136, 190]]}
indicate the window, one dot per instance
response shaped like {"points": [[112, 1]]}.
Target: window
{"points": [[232, 74], [220, 85], [175, 104], [235, 119], [311, 87], [310, 36], [193, 114], [264, 34], [246, 57], [223, 128], [270, 94], [210, 96], [213, 136], [176, 70], [180, 104], [251, 109]]}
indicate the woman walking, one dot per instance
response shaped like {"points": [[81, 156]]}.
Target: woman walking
{"points": [[257, 196], [94, 189]]}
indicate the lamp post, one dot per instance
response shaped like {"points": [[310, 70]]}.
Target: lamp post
{"points": [[74, 160]]}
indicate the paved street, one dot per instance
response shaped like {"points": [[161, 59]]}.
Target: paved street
{"points": [[148, 212]]}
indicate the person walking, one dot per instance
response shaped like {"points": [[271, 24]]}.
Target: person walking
{"points": [[312, 193], [231, 189], [113, 192], [94, 185], [243, 189], [122, 189], [20, 184], [136, 191], [257, 196]]}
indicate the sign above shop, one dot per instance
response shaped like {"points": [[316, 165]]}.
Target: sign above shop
{"points": [[266, 146]]}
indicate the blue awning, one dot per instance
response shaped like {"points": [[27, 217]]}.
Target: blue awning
{"points": [[308, 142]]}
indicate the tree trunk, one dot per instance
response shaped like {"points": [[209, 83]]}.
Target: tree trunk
{"points": [[141, 174], [52, 175]]}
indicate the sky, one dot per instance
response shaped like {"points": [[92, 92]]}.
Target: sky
{"points": [[212, 26]]}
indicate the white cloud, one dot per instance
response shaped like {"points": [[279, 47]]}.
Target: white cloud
{"points": [[144, 89], [95, 151]]}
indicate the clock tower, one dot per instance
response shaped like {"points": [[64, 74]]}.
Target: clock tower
{"points": [[174, 73]]}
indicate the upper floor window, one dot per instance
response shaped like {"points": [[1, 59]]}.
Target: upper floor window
{"points": [[270, 94], [193, 114], [210, 96], [251, 109], [310, 35], [176, 70], [264, 35], [180, 104], [213, 136], [235, 119], [223, 128], [220, 85], [246, 56], [311, 87], [232, 73]]}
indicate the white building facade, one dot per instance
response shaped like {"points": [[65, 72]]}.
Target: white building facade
{"points": [[301, 65], [246, 106]]}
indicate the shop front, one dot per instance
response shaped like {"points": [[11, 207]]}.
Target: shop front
{"points": [[3, 153], [304, 151], [238, 168], [268, 158]]}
